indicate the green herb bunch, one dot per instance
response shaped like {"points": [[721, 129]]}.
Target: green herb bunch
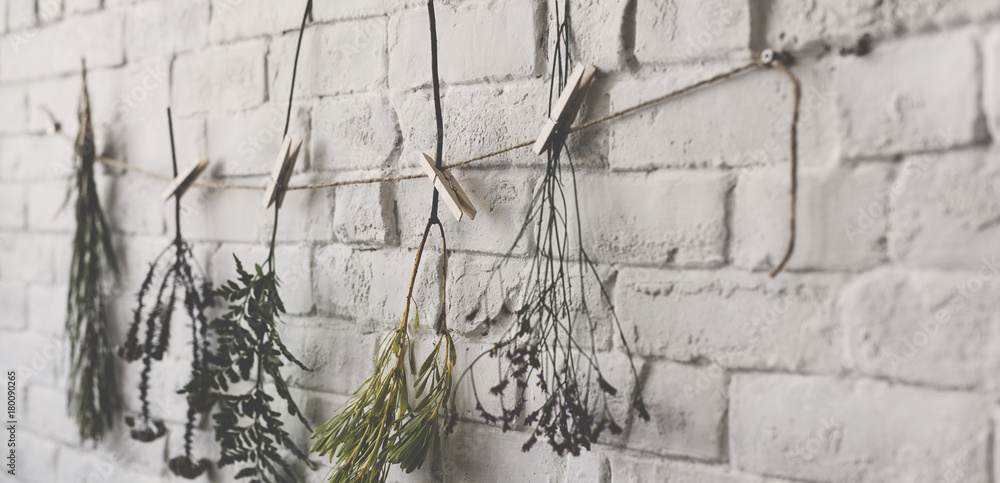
{"points": [[543, 347], [250, 354], [249, 350], [94, 397], [380, 425]]}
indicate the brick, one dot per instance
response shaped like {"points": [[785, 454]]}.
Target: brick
{"points": [[21, 13], [34, 157], [340, 358], [493, 460], [509, 28], [98, 37], [991, 82], [370, 287], [13, 198], [46, 312], [14, 105], [800, 26], [163, 28], [687, 405], [241, 19], [40, 249], [78, 6], [36, 458], [137, 206], [221, 215], [61, 98], [500, 197], [598, 30], [353, 132], [225, 78], [357, 44], [45, 414], [690, 30], [506, 114], [942, 14], [111, 465], [247, 143], [488, 290], [13, 298], [46, 211], [366, 215], [835, 230], [944, 213], [38, 359], [926, 97], [140, 113], [306, 215], [293, 266], [326, 11], [757, 322], [753, 130], [659, 218], [924, 327], [852, 430], [628, 468]]}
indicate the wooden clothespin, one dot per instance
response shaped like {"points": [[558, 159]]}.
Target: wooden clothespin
{"points": [[566, 108], [452, 193], [283, 168], [183, 181]]}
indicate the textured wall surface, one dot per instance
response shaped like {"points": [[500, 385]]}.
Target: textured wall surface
{"points": [[875, 358]]}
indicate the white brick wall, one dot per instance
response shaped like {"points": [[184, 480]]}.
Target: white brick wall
{"points": [[873, 359]]}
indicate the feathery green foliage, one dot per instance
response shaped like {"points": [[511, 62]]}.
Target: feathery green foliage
{"points": [[94, 397], [249, 350]]}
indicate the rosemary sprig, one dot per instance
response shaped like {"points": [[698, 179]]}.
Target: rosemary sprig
{"points": [[94, 397], [380, 426], [543, 346]]}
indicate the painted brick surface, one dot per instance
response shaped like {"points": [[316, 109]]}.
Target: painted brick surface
{"points": [[873, 358]]}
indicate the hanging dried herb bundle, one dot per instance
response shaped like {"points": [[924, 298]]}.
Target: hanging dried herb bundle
{"points": [[380, 426], [247, 426], [176, 279], [94, 398], [250, 353], [543, 348]]}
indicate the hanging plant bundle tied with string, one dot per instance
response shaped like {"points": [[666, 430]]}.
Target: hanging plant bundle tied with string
{"points": [[170, 285], [94, 397], [249, 357], [551, 344], [398, 415]]}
